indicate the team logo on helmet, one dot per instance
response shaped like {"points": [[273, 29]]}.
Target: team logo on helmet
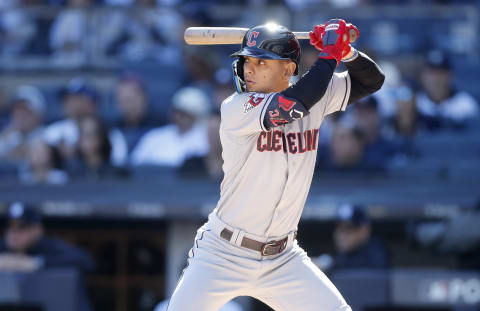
{"points": [[253, 34]]}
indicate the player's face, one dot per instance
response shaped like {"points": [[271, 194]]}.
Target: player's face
{"points": [[267, 75]]}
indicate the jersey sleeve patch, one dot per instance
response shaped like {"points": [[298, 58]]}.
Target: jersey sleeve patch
{"points": [[282, 110], [253, 101]]}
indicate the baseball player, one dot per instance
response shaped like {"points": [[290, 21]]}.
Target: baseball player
{"points": [[269, 135]]}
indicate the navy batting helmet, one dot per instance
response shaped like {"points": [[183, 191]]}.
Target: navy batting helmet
{"points": [[269, 41]]}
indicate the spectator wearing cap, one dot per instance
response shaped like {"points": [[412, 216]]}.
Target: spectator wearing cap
{"points": [[439, 103], [355, 247], [186, 137], [26, 117], [26, 247], [80, 101]]}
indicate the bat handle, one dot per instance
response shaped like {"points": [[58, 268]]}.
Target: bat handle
{"points": [[304, 35]]}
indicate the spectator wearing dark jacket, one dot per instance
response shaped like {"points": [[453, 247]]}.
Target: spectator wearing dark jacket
{"points": [[25, 247], [355, 246]]}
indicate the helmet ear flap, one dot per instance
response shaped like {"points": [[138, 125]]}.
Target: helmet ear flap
{"points": [[237, 67]]}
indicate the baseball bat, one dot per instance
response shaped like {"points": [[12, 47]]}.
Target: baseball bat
{"points": [[232, 35]]}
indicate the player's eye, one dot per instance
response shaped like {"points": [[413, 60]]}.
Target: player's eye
{"points": [[261, 62]]}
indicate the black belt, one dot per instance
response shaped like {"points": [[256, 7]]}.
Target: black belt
{"points": [[266, 249]]}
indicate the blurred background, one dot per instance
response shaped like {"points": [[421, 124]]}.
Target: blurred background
{"points": [[110, 156]]}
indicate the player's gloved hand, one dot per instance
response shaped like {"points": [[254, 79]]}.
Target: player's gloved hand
{"points": [[333, 39], [316, 36]]}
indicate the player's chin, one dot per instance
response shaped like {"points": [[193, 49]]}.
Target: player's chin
{"points": [[253, 87]]}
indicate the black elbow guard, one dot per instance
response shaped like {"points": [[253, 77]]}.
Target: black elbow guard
{"points": [[283, 110]]}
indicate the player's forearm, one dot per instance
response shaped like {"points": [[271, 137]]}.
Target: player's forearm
{"points": [[313, 85], [295, 102], [365, 75]]}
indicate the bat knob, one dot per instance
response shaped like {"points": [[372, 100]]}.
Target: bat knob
{"points": [[353, 35]]}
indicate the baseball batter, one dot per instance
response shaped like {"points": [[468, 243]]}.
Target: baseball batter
{"points": [[269, 135]]}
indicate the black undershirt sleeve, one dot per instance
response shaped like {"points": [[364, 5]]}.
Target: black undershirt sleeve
{"points": [[365, 75], [312, 85]]}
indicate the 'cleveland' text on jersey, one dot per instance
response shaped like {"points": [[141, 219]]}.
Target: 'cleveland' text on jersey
{"points": [[268, 165], [288, 142]]}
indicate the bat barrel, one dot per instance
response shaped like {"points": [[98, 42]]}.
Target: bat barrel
{"points": [[214, 35]]}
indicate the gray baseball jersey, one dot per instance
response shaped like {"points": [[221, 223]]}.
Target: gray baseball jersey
{"points": [[268, 173]]}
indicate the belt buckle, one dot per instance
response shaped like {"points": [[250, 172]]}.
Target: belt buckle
{"points": [[278, 247]]}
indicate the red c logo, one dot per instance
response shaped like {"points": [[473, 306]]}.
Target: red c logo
{"points": [[253, 34]]}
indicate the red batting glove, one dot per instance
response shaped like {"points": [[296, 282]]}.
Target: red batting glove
{"points": [[316, 36], [335, 40]]}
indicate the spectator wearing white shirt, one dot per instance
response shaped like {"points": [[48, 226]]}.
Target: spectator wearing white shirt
{"points": [[80, 101], [440, 104], [186, 137]]}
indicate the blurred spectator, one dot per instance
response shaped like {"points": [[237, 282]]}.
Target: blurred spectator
{"points": [[305, 4], [26, 248], [346, 150], [185, 138], [439, 103], [43, 164], [405, 120], [145, 32], [132, 102], [93, 152], [79, 100], [387, 95], [27, 111], [71, 33], [201, 64], [4, 109], [458, 234], [404, 123], [118, 2], [17, 28], [379, 149], [354, 244]]}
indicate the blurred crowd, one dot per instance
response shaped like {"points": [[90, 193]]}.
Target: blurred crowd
{"points": [[167, 115], [85, 145]]}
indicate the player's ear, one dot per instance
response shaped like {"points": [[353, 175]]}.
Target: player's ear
{"points": [[289, 68]]}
